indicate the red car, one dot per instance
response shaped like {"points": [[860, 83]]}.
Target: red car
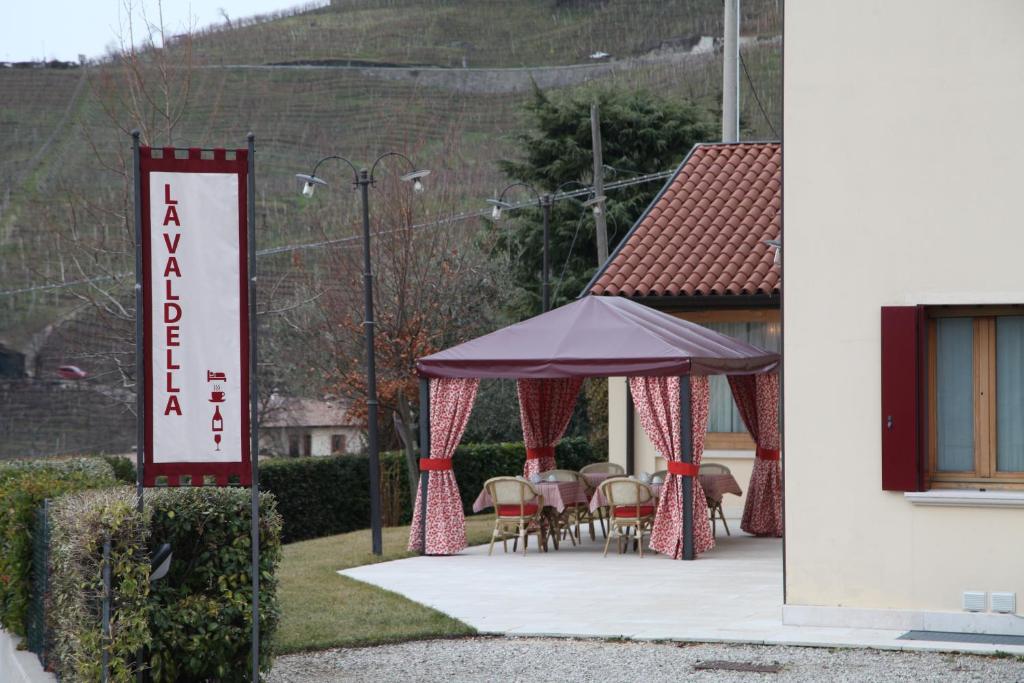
{"points": [[71, 372]]}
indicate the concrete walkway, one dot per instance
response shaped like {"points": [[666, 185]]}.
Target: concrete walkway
{"points": [[731, 594]]}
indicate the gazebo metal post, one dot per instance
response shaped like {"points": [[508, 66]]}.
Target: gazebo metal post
{"points": [[424, 454], [630, 431], [686, 481]]}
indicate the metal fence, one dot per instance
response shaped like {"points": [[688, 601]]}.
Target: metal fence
{"points": [[37, 638]]}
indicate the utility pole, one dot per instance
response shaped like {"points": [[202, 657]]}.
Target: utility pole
{"points": [[600, 222], [731, 73]]}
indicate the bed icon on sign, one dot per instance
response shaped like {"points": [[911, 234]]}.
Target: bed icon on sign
{"points": [[217, 395]]}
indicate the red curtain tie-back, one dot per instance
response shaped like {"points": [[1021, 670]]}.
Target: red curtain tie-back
{"points": [[769, 453], [683, 469], [435, 464], [541, 452]]}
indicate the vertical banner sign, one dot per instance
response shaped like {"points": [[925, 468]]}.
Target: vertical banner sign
{"points": [[196, 314]]}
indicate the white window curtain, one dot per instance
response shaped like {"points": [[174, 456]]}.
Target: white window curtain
{"points": [[724, 415], [1010, 393], [954, 394]]}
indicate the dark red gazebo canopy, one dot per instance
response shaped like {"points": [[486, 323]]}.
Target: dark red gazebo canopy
{"points": [[599, 336]]}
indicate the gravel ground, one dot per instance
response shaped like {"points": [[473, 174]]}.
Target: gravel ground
{"points": [[539, 659]]}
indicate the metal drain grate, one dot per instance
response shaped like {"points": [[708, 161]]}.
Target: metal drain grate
{"points": [[954, 637], [724, 665]]}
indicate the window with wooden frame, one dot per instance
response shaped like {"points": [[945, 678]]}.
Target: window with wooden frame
{"points": [[975, 397], [762, 328]]}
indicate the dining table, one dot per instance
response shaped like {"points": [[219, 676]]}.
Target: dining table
{"points": [[557, 494], [714, 485]]}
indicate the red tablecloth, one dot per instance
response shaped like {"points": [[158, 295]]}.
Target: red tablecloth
{"points": [[557, 494]]}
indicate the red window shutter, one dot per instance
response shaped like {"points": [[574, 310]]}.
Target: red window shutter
{"points": [[902, 398]]}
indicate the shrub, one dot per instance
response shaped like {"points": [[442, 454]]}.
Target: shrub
{"points": [[330, 495], [79, 524], [200, 619], [124, 468], [24, 484]]}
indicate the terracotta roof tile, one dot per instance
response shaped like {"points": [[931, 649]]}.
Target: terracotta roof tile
{"points": [[703, 236]]}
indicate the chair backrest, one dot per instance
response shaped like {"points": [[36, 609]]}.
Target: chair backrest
{"points": [[560, 475], [511, 491], [610, 467], [619, 491], [712, 468]]}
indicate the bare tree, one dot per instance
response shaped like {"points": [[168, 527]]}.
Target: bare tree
{"points": [[434, 285]]}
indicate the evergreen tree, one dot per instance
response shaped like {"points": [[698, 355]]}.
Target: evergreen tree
{"points": [[641, 133]]}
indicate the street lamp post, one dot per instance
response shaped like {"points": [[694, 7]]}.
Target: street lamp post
{"points": [[544, 201], [363, 179]]}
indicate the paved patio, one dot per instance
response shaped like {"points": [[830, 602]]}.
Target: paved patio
{"points": [[731, 594]]}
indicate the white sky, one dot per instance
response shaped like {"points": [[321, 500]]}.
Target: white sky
{"points": [[63, 29]]}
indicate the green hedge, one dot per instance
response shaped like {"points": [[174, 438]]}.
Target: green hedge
{"points": [[201, 612], [24, 484], [330, 495], [195, 623], [79, 524]]}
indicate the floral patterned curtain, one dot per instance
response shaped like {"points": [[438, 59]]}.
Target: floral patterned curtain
{"points": [[657, 403], [451, 401], [545, 408], [757, 398]]}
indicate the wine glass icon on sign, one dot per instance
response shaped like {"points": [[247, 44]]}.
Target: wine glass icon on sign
{"points": [[217, 396]]}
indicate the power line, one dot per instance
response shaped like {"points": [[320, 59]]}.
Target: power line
{"points": [[757, 98], [454, 218]]}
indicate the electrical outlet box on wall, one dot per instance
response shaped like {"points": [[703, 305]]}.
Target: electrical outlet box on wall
{"points": [[974, 601], [1004, 603]]}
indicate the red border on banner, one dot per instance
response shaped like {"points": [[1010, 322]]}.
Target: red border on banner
{"points": [[195, 163]]}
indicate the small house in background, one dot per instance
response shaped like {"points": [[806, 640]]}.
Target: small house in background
{"points": [[701, 252], [297, 427]]}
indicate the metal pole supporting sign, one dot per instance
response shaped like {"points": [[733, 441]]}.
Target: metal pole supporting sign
{"points": [[253, 413]]}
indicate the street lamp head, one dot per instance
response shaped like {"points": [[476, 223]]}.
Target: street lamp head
{"points": [[309, 183], [417, 179], [497, 205]]}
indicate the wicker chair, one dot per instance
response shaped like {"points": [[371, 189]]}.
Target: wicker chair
{"points": [[715, 505], [610, 467], [518, 512], [574, 514], [601, 468], [630, 506]]}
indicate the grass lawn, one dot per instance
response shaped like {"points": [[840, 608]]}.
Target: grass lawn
{"points": [[320, 609]]}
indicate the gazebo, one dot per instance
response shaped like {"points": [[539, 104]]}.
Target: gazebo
{"points": [[549, 355]]}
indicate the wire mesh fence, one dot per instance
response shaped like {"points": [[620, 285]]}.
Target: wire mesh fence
{"points": [[37, 637]]}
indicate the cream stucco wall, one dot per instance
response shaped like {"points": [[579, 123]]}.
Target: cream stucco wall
{"points": [[647, 459], [275, 439], [902, 185]]}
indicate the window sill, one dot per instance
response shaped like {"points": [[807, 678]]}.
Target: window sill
{"points": [[966, 498]]}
